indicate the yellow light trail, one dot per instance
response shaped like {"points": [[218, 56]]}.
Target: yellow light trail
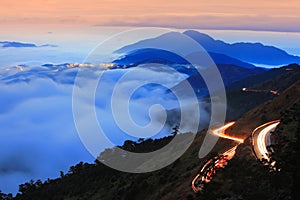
{"points": [[220, 132], [261, 139], [220, 163]]}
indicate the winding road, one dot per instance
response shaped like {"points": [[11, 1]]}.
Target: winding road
{"points": [[261, 139], [209, 167]]}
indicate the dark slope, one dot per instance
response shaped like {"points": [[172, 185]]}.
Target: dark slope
{"points": [[262, 77], [245, 177], [229, 73], [268, 110], [278, 80]]}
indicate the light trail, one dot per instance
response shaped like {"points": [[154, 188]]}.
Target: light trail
{"points": [[262, 139], [193, 183], [230, 153], [275, 92], [209, 168], [220, 132]]}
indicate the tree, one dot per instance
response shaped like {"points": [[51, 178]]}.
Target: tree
{"points": [[62, 174], [175, 130], [141, 140], [27, 187], [5, 196]]}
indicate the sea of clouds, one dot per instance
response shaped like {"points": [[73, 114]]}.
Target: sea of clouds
{"points": [[38, 134]]}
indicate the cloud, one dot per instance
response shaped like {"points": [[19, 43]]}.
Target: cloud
{"points": [[37, 56], [217, 14], [213, 21], [38, 134], [38, 137]]}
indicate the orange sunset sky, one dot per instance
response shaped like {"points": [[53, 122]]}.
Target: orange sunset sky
{"points": [[274, 15]]}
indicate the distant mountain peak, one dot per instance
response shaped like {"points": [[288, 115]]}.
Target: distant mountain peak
{"points": [[196, 34], [246, 52], [256, 53]]}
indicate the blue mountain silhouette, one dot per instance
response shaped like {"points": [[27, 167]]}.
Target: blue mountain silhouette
{"points": [[8, 44], [255, 53], [149, 55], [248, 52]]}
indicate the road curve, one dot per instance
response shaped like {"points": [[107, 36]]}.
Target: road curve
{"points": [[261, 139], [209, 167], [221, 132]]}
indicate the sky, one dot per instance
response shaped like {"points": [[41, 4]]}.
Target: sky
{"points": [[268, 15]]}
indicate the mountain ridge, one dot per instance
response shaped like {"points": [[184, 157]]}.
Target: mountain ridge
{"points": [[13, 44], [151, 55], [255, 53]]}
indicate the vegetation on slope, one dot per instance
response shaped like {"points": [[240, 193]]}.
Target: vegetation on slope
{"points": [[246, 178]]}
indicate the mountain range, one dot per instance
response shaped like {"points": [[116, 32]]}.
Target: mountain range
{"points": [[151, 55], [10, 44], [255, 53], [220, 51]]}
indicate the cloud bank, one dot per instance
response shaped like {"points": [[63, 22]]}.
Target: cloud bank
{"points": [[216, 14], [38, 134], [38, 138]]}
